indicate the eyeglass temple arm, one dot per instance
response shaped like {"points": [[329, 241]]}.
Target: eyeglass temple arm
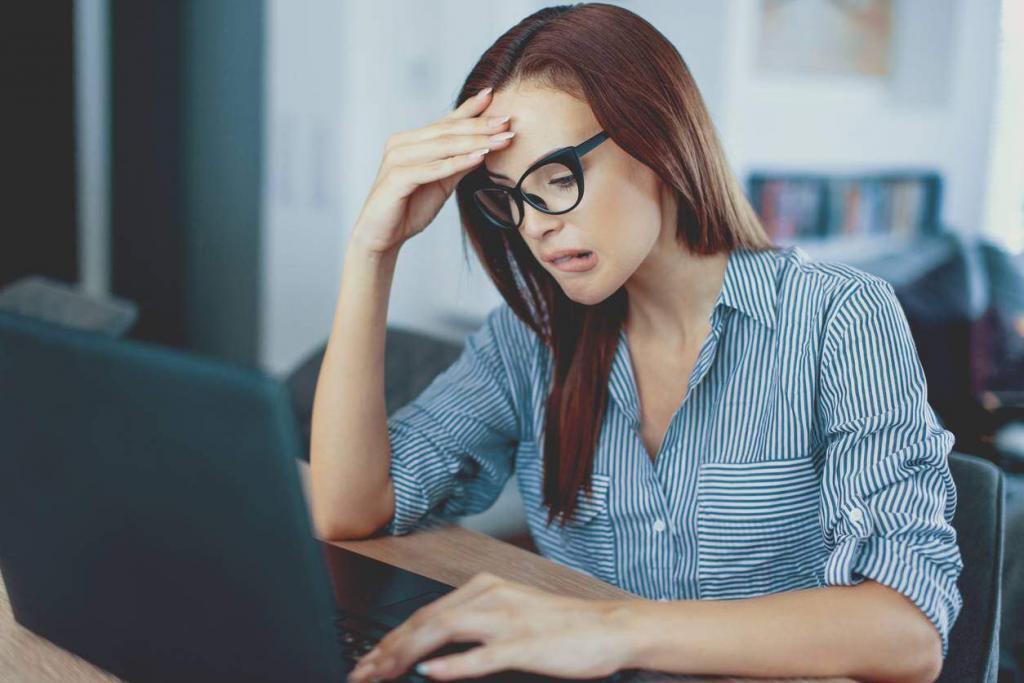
{"points": [[590, 144]]}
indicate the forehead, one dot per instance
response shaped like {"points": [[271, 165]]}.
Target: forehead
{"points": [[543, 120]]}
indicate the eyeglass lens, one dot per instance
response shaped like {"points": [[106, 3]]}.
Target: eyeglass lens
{"points": [[551, 187]]}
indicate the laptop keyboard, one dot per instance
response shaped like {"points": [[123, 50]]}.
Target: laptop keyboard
{"points": [[359, 635]]}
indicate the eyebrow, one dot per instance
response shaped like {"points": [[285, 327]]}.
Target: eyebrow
{"points": [[505, 177]]}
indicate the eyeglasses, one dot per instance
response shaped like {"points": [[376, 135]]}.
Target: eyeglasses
{"points": [[552, 185]]}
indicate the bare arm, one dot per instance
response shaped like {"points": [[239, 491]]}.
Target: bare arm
{"points": [[350, 455], [349, 451], [868, 632]]}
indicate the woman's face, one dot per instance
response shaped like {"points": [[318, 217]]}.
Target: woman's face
{"points": [[622, 211]]}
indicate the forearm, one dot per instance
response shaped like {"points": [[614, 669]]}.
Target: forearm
{"points": [[867, 632], [349, 451]]}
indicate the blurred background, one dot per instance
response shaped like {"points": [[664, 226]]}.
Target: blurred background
{"points": [[187, 173], [206, 159]]}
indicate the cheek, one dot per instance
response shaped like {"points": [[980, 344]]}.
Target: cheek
{"points": [[625, 223]]}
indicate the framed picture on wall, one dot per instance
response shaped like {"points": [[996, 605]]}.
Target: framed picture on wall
{"points": [[825, 37]]}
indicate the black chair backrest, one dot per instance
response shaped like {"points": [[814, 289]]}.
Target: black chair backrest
{"points": [[974, 640], [411, 361]]}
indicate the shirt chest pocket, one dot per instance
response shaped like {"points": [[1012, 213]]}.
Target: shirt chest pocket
{"points": [[758, 528], [589, 536]]}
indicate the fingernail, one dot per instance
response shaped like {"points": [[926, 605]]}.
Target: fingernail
{"points": [[362, 671], [507, 135], [498, 120], [484, 92]]}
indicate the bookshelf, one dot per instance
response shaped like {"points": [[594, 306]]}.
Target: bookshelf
{"points": [[806, 207], [884, 222]]}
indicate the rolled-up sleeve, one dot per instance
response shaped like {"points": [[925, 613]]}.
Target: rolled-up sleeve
{"points": [[453, 446], [887, 494]]}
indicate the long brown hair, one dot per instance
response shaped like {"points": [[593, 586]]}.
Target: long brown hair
{"points": [[643, 95]]}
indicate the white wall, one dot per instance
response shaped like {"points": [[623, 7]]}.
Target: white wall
{"points": [[302, 232], [935, 112], [345, 75]]}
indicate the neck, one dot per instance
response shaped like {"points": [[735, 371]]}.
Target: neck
{"points": [[672, 294]]}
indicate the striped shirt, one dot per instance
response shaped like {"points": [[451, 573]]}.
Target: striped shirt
{"points": [[804, 452]]}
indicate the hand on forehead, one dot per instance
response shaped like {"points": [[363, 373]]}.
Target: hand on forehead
{"points": [[543, 119]]}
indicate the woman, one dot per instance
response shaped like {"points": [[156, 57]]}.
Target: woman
{"points": [[738, 435]]}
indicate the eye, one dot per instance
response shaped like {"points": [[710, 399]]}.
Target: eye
{"points": [[567, 181]]}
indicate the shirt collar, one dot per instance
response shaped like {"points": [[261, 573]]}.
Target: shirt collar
{"points": [[749, 284]]}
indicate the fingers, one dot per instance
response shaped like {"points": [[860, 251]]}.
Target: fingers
{"points": [[472, 106], [431, 612], [446, 150], [464, 120], [446, 145], [479, 661], [480, 583], [427, 628], [457, 627], [406, 179]]}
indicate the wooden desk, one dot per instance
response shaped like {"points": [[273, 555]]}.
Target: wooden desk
{"points": [[451, 555]]}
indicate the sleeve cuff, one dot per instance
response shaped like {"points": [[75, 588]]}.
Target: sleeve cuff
{"points": [[928, 581], [421, 482]]}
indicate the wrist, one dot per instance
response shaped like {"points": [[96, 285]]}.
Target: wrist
{"points": [[364, 248], [633, 625]]}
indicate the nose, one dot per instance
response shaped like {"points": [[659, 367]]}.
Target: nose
{"points": [[536, 223]]}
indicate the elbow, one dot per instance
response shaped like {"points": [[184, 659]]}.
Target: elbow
{"points": [[928, 651], [921, 665], [930, 660], [908, 648], [333, 531], [347, 514], [923, 661], [927, 672], [333, 523]]}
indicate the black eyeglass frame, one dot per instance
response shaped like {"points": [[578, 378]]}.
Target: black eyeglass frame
{"points": [[568, 156]]}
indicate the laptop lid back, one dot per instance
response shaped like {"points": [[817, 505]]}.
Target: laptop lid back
{"points": [[151, 516]]}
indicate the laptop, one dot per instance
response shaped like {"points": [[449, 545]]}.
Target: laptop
{"points": [[152, 520]]}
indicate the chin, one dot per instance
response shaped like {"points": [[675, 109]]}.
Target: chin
{"points": [[587, 296]]}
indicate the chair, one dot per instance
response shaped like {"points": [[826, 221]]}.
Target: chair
{"points": [[973, 653], [57, 302], [411, 361]]}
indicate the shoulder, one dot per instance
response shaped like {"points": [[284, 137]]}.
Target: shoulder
{"points": [[508, 330], [504, 337], [832, 292], [796, 269]]}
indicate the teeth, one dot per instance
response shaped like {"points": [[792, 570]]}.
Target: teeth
{"points": [[563, 259]]}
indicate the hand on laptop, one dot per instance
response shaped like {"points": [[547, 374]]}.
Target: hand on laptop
{"points": [[518, 626]]}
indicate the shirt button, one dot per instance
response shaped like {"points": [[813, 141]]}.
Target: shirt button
{"points": [[856, 514], [659, 525]]}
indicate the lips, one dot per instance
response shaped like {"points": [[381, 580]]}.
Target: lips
{"points": [[576, 264], [564, 253]]}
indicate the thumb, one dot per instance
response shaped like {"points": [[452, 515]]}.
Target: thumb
{"points": [[448, 184]]}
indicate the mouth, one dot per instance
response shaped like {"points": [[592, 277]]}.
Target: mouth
{"points": [[584, 260]]}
